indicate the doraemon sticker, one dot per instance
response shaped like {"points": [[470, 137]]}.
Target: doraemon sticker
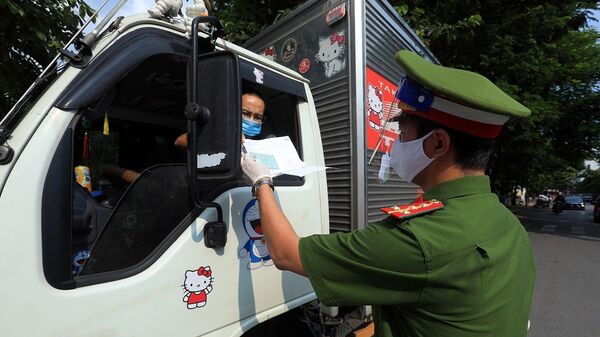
{"points": [[288, 51], [79, 260], [269, 53], [197, 286], [331, 53], [256, 247]]}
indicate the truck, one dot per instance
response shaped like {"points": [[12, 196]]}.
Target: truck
{"points": [[179, 251]]}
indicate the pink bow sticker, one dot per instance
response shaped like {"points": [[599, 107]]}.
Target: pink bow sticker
{"points": [[336, 38]]}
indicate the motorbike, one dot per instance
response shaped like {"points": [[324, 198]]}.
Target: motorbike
{"points": [[558, 207]]}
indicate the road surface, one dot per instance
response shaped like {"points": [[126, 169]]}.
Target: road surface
{"points": [[566, 247]]}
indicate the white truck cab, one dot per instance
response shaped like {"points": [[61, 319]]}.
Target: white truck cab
{"points": [[179, 251]]}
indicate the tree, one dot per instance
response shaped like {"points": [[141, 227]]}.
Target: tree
{"points": [[244, 19], [31, 33], [590, 183], [544, 55]]}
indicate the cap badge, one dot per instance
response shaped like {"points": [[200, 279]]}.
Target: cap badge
{"points": [[412, 96]]}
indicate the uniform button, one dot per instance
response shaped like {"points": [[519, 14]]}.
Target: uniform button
{"points": [[421, 99]]}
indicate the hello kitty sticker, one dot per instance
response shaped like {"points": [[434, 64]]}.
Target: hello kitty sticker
{"points": [[197, 286], [331, 53], [256, 247], [379, 98], [375, 110]]}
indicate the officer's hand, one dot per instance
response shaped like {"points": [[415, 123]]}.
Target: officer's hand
{"points": [[253, 170]]}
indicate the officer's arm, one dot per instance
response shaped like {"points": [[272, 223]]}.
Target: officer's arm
{"points": [[281, 237]]}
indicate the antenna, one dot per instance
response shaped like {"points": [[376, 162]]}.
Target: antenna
{"points": [[90, 39], [17, 107]]}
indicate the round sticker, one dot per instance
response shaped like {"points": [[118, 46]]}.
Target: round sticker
{"points": [[288, 51], [304, 66]]}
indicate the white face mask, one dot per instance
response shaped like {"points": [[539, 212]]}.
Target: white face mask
{"points": [[409, 158]]}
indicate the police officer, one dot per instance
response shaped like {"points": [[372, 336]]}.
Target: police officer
{"points": [[454, 263]]}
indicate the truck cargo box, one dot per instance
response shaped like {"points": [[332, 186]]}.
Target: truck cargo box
{"points": [[346, 49]]}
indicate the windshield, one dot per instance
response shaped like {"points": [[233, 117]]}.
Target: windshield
{"points": [[574, 199]]}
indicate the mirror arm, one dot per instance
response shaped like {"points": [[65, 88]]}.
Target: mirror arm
{"points": [[212, 205], [193, 111], [215, 232]]}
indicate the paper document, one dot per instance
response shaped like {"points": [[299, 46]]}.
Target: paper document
{"points": [[280, 156]]}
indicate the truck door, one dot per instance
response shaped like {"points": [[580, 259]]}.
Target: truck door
{"points": [[124, 252]]}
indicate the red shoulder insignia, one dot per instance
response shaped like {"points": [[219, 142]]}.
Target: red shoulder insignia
{"points": [[415, 208]]}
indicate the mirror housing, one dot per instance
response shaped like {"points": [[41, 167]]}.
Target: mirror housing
{"points": [[214, 116]]}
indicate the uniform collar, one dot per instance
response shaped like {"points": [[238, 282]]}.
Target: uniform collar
{"points": [[459, 187]]}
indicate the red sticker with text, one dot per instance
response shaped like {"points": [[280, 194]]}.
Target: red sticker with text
{"points": [[304, 66]]}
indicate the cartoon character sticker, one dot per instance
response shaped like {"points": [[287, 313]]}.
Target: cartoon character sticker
{"points": [[379, 107], [288, 51], [375, 110], [256, 246], [269, 53], [331, 53], [79, 259], [197, 285]]}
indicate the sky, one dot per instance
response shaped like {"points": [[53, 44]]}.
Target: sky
{"points": [[129, 8]]}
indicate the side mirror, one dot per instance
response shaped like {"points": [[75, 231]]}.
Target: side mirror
{"points": [[213, 111], [214, 128]]}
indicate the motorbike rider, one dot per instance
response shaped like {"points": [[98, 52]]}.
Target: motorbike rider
{"points": [[559, 203]]}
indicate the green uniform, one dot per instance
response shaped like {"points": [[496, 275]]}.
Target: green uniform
{"points": [[464, 270]]}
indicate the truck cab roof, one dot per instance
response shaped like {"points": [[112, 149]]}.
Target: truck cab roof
{"points": [[176, 26]]}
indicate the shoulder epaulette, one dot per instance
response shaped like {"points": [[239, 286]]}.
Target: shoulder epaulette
{"points": [[415, 208]]}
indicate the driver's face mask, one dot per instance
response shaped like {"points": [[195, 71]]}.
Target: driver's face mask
{"points": [[250, 128]]}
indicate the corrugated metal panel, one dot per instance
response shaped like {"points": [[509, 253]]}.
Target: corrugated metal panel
{"points": [[386, 33], [333, 111]]}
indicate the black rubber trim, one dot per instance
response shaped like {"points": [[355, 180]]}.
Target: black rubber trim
{"points": [[57, 215]]}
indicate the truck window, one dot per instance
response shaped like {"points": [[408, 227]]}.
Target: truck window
{"points": [[131, 182], [281, 120]]}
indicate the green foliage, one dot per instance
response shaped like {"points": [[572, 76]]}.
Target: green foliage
{"points": [[244, 19], [590, 183], [31, 32], [544, 55]]}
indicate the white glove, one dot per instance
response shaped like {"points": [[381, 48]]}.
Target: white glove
{"points": [[254, 170]]}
